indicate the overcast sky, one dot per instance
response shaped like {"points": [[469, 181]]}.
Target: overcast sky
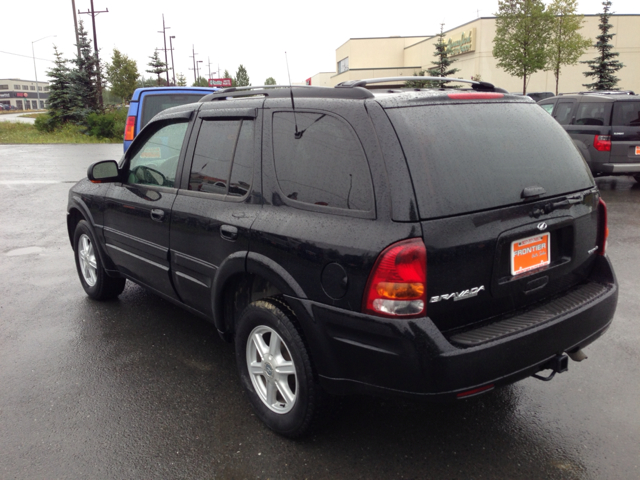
{"points": [[227, 34]]}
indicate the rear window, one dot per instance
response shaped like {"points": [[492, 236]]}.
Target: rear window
{"points": [[626, 114], [472, 157], [154, 104]]}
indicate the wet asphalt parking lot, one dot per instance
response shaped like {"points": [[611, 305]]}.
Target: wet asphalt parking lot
{"points": [[137, 388]]}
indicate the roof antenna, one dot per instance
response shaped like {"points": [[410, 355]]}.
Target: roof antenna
{"points": [[298, 135]]}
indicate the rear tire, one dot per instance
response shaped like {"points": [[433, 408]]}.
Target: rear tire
{"points": [[275, 368], [95, 281], [637, 178]]}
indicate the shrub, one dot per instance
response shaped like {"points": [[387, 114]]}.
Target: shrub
{"points": [[45, 123], [106, 125]]}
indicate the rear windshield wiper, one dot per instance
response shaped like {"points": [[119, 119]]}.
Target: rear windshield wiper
{"points": [[551, 206]]}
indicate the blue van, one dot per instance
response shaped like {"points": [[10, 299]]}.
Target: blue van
{"points": [[147, 102]]}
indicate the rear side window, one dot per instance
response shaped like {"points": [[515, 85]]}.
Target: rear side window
{"points": [[626, 114], [472, 157], [592, 113], [154, 104], [547, 107], [223, 158], [326, 166]]}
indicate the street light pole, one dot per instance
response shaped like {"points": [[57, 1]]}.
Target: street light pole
{"points": [[35, 70], [173, 68], [164, 36]]}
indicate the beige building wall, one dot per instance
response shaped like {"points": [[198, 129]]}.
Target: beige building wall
{"points": [[402, 56]]}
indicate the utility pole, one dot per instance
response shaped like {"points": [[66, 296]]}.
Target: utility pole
{"points": [[173, 68], [198, 67], [75, 24], [164, 35], [193, 50], [209, 67], [93, 14]]}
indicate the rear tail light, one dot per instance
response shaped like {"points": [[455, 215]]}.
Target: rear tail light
{"points": [[129, 129], [397, 285], [602, 143], [603, 227]]}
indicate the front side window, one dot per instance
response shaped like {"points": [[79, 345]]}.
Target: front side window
{"points": [[156, 159], [563, 112], [325, 166]]}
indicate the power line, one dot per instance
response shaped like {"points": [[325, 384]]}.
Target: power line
{"points": [[27, 56]]}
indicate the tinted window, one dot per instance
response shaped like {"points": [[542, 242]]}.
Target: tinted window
{"points": [[154, 104], [156, 159], [470, 157], [221, 144], [326, 166], [591, 113], [626, 114], [213, 155], [563, 112]]}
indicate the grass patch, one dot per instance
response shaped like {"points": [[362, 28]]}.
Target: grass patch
{"points": [[17, 133], [33, 115]]}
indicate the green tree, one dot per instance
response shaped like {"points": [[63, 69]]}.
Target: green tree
{"points": [[201, 82], [122, 74], [85, 87], [566, 45], [181, 80], [441, 67], [270, 81], [523, 28], [603, 67], [420, 83], [158, 67], [228, 75], [61, 103], [242, 78]]}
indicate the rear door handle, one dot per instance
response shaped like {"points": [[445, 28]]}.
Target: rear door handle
{"points": [[229, 232], [157, 214]]}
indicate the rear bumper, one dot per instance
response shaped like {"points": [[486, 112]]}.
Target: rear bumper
{"points": [[620, 168], [357, 353]]}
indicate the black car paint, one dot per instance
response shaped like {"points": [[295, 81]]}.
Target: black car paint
{"points": [[210, 254]]}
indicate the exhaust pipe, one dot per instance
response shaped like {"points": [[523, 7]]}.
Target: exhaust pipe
{"points": [[577, 356]]}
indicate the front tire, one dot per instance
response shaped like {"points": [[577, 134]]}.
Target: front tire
{"points": [[95, 281], [275, 368]]}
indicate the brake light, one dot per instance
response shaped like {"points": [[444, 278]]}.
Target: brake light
{"points": [[129, 129], [602, 143], [397, 285], [603, 227], [474, 95]]}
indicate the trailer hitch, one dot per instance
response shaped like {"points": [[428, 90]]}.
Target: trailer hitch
{"points": [[558, 364]]}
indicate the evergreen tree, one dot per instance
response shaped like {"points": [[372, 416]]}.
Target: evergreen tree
{"points": [[228, 75], [270, 81], [420, 83], [523, 28], [123, 75], [60, 103], [603, 67], [181, 80], [566, 45], [441, 66], [242, 78], [84, 79], [158, 67]]}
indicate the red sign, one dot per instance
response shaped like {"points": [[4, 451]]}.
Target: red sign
{"points": [[308, 81], [220, 82], [20, 94]]}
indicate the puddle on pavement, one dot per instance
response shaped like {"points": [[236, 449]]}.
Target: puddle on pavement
{"points": [[25, 251]]}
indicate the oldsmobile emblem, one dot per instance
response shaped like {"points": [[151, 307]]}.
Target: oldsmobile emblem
{"points": [[463, 295]]}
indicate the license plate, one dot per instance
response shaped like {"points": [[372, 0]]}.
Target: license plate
{"points": [[530, 253], [638, 150]]}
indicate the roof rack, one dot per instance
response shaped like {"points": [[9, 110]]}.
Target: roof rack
{"points": [[278, 91], [602, 92], [479, 86]]}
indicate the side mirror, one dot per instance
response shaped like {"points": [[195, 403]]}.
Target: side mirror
{"points": [[103, 172]]}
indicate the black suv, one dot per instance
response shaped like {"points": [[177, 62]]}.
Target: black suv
{"points": [[419, 243], [605, 126]]}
